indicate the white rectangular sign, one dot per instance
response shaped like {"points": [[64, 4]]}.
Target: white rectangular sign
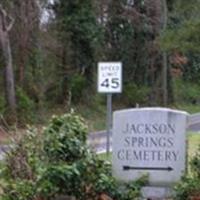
{"points": [[109, 77], [149, 140]]}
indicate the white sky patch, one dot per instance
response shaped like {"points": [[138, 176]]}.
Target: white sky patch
{"points": [[47, 13]]}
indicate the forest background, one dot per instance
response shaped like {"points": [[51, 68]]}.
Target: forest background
{"points": [[50, 50]]}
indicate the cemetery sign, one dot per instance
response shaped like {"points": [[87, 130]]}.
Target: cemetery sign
{"points": [[149, 140]]}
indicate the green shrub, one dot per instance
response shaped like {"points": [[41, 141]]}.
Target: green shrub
{"points": [[187, 188], [60, 163], [72, 169], [195, 165], [65, 138], [190, 184], [21, 168]]}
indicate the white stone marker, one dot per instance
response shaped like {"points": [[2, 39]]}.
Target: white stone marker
{"points": [[149, 140]]}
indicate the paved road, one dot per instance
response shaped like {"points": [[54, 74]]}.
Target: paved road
{"points": [[97, 141], [194, 122], [194, 128]]}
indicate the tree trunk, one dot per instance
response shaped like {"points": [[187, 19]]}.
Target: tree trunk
{"points": [[9, 76], [21, 69], [7, 57], [165, 87]]}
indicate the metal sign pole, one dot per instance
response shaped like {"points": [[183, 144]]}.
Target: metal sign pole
{"points": [[109, 122], [109, 82]]}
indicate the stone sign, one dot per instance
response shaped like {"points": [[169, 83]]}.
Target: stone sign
{"points": [[149, 140]]}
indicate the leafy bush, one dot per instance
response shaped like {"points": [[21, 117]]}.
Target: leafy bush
{"points": [[58, 162], [189, 187], [72, 169], [21, 168], [195, 164], [65, 138]]}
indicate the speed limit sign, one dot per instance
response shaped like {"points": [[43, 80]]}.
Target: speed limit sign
{"points": [[109, 77]]}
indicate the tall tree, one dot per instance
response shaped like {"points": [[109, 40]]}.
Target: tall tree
{"points": [[120, 39], [25, 34], [181, 39], [78, 34], [133, 29], [6, 24], [183, 33]]}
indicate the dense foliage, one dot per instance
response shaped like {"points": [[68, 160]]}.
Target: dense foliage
{"points": [[49, 51], [189, 187], [56, 45], [58, 162], [183, 31]]}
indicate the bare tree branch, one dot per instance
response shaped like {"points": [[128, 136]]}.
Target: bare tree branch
{"points": [[10, 25], [3, 12], [4, 15]]}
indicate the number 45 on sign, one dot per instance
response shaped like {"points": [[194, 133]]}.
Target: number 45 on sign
{"points": [[109, 77]]}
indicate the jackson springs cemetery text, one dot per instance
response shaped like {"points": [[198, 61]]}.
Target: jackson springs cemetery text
{"points": [[148, 135]]}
